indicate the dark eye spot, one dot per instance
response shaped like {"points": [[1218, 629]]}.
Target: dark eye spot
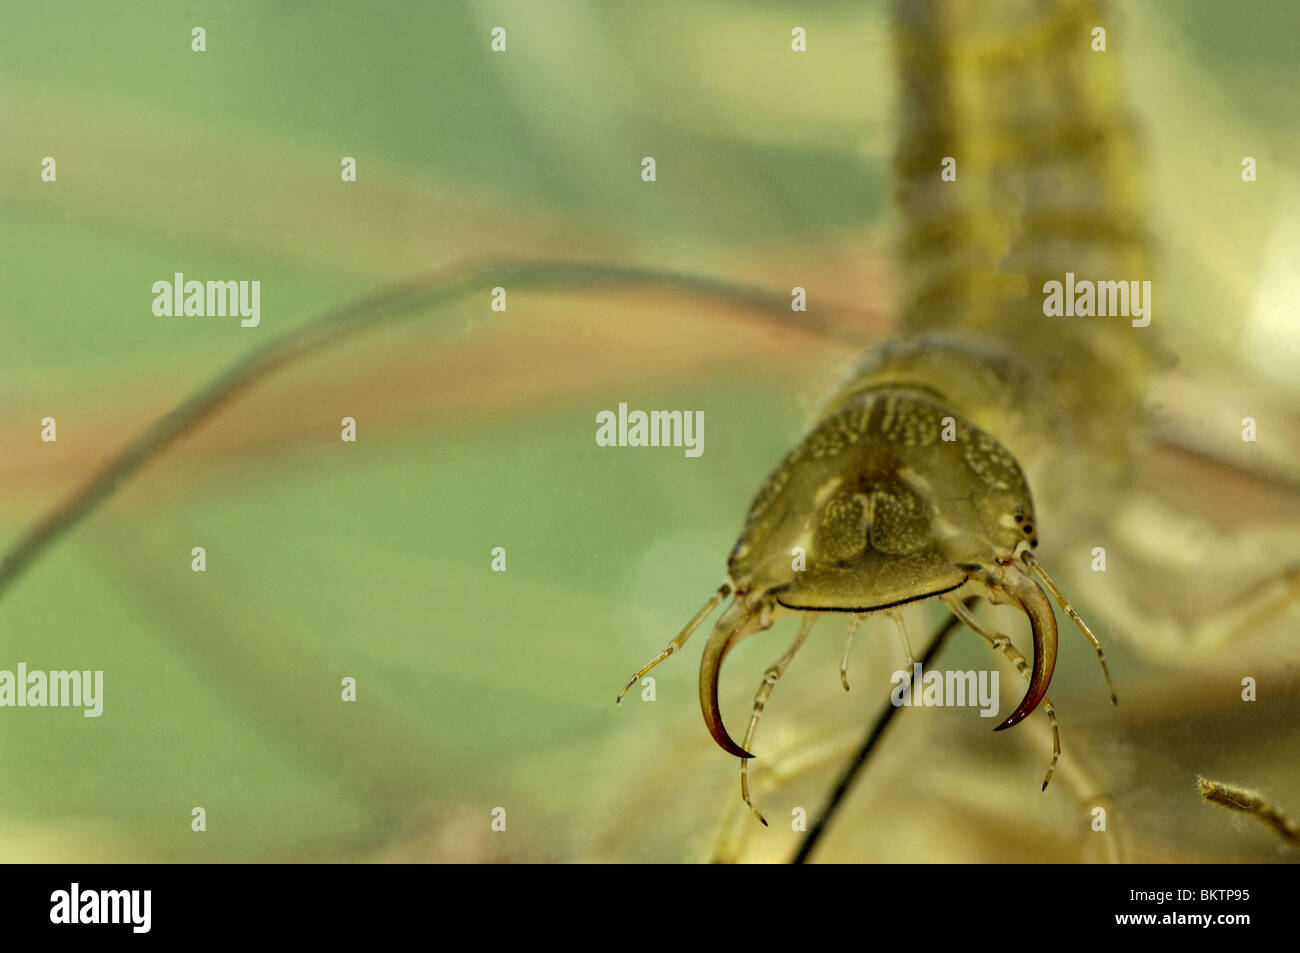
{"points": [[1028, 527]]}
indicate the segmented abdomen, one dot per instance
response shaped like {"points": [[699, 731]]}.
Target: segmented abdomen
{"points": [[1045, 160]]}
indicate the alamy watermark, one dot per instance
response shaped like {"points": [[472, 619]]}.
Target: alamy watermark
{"points": [[1085, 299], [212, 299], [950, 689], [654, 428], [42, 689], [75, 905]]}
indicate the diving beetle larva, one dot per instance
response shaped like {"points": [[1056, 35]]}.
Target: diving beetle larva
{"points": [[895, 499], [914, 483]]}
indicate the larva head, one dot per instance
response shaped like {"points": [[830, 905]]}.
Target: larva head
{"points": [[883, 503], [891, 499]]}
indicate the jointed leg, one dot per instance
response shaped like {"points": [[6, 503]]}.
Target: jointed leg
{"points": [[897, 616], [760, 700], [1244, 600], [848, 647], [803, 758], [1073, 613], [1003, 644], [723, 591]]}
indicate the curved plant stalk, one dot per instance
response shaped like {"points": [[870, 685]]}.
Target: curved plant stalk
{"points": [[400, 301]]}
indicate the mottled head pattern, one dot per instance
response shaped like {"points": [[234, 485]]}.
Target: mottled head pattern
{"points": [[891, 499], [885, 508]]}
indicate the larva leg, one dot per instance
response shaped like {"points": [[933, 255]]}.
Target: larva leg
{"points": [[1172, 608], [770, 678], [1003, 644], [848, 647], [1251, 610], [677, 643], [901, 626], [803, 759], [1073, 613]]}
